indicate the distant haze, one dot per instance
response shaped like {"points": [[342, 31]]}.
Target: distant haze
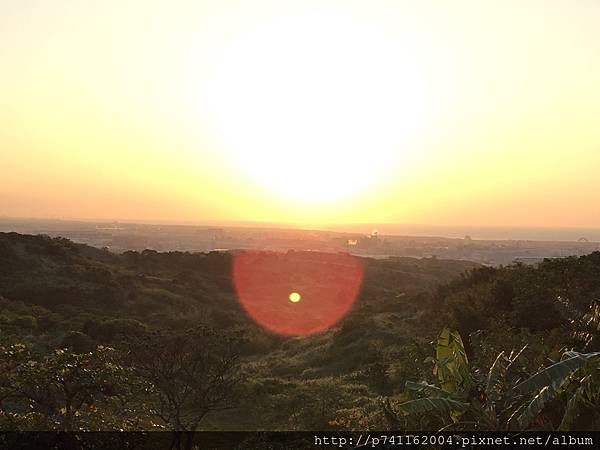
{"points": [[487, 233], [56, 226]]}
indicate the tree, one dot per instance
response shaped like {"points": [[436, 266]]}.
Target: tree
{"points": [[194, 373], [66, 391]]}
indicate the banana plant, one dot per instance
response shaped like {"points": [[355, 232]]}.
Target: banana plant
{"points": [[467, 399], [463, 397], [574, 380]]}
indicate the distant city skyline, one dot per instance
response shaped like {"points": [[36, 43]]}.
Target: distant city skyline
{"points": [[566, 234]]}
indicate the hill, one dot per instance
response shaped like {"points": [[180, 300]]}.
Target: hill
{"points": [[51, 287], [164, 308]]}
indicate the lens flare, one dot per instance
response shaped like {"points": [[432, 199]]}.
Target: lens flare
{"points": [[297, 293]]}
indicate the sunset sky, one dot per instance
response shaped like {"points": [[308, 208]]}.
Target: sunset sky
{"points": [[302, 112]]}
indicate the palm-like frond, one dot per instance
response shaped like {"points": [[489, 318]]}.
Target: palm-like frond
{"points": [[554, 375], [537, 404], [452, 365], [426, 388], [441, 405], [497, 376], [588, 327], [574, 404]]}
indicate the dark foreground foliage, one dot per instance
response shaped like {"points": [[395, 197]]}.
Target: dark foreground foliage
{"points": [[91, 340]]}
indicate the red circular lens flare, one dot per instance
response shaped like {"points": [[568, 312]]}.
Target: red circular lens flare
{"points": [[297, 293]]}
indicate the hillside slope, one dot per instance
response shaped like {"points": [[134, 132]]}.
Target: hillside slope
{"points": [[57, 294]]}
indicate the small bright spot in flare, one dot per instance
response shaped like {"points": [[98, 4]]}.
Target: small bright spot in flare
{"points": [[295, 297]]}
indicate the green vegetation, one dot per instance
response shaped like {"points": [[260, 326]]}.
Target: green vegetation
{"points": [[91, 340], [497, 400]]}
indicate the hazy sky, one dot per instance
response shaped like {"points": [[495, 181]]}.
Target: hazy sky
{"points": [[462, 112]]}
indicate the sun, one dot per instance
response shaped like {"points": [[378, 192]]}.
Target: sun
{"points": [[316, 108]]}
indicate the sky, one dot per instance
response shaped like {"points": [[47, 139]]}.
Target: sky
{"points": [[305, 112]]}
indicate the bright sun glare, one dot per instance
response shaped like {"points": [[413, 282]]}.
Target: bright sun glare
{"points": [[316, 108]]}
